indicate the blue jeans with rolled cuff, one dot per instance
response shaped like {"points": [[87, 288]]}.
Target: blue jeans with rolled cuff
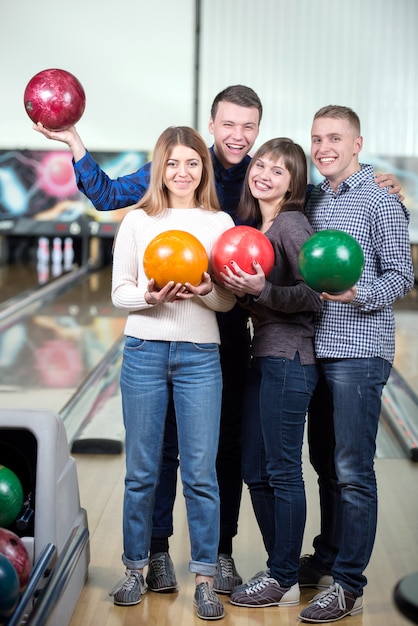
{"points": [[151, 370]]}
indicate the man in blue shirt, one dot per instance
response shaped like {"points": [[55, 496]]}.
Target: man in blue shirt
{"points": [[234, 122], [354, 345]]}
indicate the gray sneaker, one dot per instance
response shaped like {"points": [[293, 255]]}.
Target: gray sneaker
{"points": [[331, 605], [161, 576], [311, 576], [207, 603], [129, 589], [266, 592], [227, 577]]}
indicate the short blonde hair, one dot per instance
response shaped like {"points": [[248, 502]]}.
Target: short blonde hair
{"points": [[340, 112]]}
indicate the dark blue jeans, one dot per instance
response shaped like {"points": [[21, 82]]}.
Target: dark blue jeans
{"points": [[342, 427], [276, 402], [235, 358]]}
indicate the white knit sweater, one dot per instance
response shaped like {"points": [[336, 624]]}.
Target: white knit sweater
{"points": [[187, 320]]}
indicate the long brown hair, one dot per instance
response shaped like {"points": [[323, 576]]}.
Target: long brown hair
{"points": [[295, 162], [156, 198]]}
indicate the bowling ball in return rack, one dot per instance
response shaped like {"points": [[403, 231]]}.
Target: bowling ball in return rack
{"points": [[243, 244], [11, 496], [56, 98], [13, 548], [175, 255], [9, 589], [331, 261]]}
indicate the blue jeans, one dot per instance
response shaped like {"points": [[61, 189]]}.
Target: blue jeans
{"points": [[150, 371], [235, 358], [278, 395], [342, 427]]}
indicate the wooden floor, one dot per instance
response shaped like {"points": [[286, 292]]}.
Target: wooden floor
{"points": [[101, 490]]}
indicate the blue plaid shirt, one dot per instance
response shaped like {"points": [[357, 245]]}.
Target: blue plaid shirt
{"points": [[379, 222]]}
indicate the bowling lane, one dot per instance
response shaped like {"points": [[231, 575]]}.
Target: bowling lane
{"points": [[15, 279], [45, 357], [399, 406]]}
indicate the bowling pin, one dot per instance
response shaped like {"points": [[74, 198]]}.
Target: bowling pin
{"points": [[43, 250], [56, 251], [68, 254], [43, 260], [43, 272], [56, 257]]}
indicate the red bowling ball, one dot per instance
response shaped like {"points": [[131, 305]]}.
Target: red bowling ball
{"points": [[13, 548], [175, 255], [243, 244], [55, 98]]}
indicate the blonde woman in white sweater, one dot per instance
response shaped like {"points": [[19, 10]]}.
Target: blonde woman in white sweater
{"points": [[172, 346]]}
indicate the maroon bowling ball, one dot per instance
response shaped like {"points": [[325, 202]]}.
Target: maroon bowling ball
{"points": [[13, 548], [55, 98]]}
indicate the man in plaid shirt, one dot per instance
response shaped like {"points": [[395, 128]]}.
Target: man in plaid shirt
{"points": [[355, 345]]}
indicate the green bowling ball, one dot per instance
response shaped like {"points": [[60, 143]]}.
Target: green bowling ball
{"points": [[331, 261], [11, 496]]}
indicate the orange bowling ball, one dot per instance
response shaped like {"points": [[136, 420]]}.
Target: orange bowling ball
{"points": [[175, 255]]}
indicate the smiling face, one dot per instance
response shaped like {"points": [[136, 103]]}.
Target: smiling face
{"points": [[269, 181], [235, 129], [182, 176], [335, 147]]}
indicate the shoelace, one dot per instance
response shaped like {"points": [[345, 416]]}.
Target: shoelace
{"points": [[208, 593], [226, 567], [127, 582], [325, 598], [259, 585], [159, 566]]}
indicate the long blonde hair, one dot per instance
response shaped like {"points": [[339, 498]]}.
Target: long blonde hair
{"points": [[156, 198]]}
